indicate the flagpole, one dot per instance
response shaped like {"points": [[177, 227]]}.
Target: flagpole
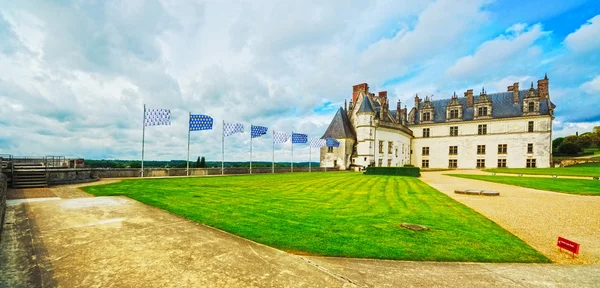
{"points": [[292, 151], [273, 165], [143, 137], [250, 148], [309, 156], [223, 149], [188, 154]]}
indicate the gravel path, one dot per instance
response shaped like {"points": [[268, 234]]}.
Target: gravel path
{"points": [[538, 217], [73, 191]]}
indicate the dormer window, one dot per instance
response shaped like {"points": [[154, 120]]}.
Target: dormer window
{"points": [[427, 116], [454, 114], [482, 111]]}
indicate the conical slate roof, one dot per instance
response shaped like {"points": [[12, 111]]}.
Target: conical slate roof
{"points": [[340, 127], [366, 106]]}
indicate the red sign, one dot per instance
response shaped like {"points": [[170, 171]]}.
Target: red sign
{"points": [[568, 245]]}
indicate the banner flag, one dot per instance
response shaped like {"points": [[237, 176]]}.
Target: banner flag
{"points": [[232, 128], [155, 117], [317, 143], [332, 142], [280, 137], [257, 131], [200, 122], [298, 138]]}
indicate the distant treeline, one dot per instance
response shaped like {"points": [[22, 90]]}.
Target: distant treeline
{"points": [[182, 164]]}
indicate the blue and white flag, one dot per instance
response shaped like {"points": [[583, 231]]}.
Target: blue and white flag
{"points": [[332, 142], [232, 128], [200, 122], [318, 143], [257, 131], [155, 117], [299, 138], [280, 137]]}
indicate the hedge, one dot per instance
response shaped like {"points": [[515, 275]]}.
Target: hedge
{"points": [[397, 171]]}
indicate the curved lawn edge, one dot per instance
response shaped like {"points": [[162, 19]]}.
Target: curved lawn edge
{"points": [[576, 171], [345, 215]]}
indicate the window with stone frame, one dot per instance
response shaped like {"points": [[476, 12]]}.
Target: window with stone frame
{"points": [[389, 162], [531, 107], [454, 131], [453, 163], [329, 149], [480, 163], [426, 133], [530, 148], [380, 147], [454, 114], [531, 163], [426, 116], [380, 163], [480, 149], [453, 150], [425, 163], [501, 163], [390, 147], [425, 151], [530, 126], [482, 111], [482, 129], [502, 148]]}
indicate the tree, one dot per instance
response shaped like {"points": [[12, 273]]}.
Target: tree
{"points": [[569, 148], [597, 130], [556, 142], [202, 162], [198, 162]]}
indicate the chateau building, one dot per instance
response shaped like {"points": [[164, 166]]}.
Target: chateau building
{"points": [[507, 129]]}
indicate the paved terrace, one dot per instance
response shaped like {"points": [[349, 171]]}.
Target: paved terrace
{"points": [[74, 240]]}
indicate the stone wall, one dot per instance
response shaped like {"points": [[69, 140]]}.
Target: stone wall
{"points": [[3, 191]]}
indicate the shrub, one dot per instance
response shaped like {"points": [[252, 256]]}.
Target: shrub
{"points": [[569, 148], [396, 171]]}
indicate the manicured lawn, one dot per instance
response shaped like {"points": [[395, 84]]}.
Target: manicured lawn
{"points": [[586, 170], [570, 186], [334, 214]]}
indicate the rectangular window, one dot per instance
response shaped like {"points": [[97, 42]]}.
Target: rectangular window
{"points": [[380, 163], [329, 149], [425, 132], [482, 111], [530, 148], [396, 152], [425, 163], [480, 149], [425, 151], [389, 162], [480, 163], [427, 116], [454, 114], [501, 163], [380, 148], [454, 131], [453, 150], [530, 163], [452, 163], [390, 147], [482, 129], [530, 126], [502, 148]]}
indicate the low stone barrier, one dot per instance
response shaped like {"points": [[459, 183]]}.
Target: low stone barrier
{"points": [[3, 191], [478, 192]]}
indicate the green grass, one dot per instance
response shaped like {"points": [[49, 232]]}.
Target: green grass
{"points": [[334, 214], [584, 170], [570, 186]]}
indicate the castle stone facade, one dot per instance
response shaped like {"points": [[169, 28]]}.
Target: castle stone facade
{"points": [[507, 129]]}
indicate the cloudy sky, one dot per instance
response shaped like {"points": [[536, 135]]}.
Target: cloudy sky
{"points": [[74, 75]]}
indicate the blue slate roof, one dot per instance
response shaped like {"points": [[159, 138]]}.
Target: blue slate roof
{"points": [[503, 106], [366, 106], [340, 127]]}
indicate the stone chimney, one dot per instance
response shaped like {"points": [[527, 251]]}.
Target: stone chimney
{"points": [[469, 96], [417, 101], [542, 86], [404, 115], [399, 112], [356, 89], [384, 110], [510, 88], [516, 93]]}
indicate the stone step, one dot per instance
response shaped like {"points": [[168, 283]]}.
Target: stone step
{"points": [[30, 185]]}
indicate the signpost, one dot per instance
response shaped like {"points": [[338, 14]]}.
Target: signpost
{"points": [[568, 245]]}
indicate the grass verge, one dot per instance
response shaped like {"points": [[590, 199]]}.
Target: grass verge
{"points": [[334, 214], [570, 186], [583, 170]]}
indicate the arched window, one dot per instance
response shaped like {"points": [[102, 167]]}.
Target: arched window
{"points": [[531, 106]]}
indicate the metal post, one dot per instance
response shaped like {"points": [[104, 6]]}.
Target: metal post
{"points": [[292, 170], [250, 148], [188, 154], [223, 149], [143, 136], [273, 164], [309, 156]]}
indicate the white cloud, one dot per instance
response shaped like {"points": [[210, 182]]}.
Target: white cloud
{"points": [[514, 47], [586, 38], [592, 86]]}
